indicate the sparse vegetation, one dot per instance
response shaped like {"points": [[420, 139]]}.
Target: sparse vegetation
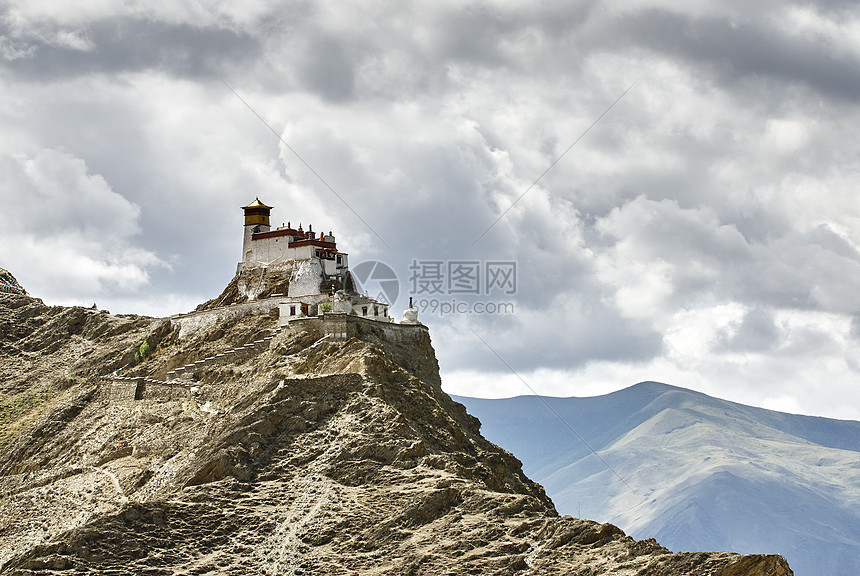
{"points": [[19, 409], [142, 352], [13, 407]]}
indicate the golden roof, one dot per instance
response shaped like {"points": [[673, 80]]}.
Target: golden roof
{"points": [[256, 204]]}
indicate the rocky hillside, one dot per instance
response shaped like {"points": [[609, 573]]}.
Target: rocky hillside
{"points": [[304, 455], [258, 282]]}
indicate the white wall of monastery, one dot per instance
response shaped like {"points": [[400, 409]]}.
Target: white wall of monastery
{"points": [[273, 250]]}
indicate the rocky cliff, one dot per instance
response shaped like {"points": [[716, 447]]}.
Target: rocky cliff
{"points": [[301, 455], [254, 282]]}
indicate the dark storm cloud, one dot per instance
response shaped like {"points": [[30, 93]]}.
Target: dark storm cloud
{"points": [[536, 41], [420, 52], [484, 35], [855, 327], [457, 38], [735, 50], [115, 46], [757, 332], [815, 270], [328, 69]]}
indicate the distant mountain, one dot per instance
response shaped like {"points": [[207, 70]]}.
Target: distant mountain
{"points": [[692, 471]]}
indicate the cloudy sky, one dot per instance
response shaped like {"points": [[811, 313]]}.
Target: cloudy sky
{"points": [[705, 232]]}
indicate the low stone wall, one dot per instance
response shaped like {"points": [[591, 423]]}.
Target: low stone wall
{"points": [[127, 389], [155, 390], [119, 389], [226, 356], [194, 321], [346, 326], [332, 323]]}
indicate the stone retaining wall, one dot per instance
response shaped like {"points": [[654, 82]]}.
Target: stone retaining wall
{"points": [[123, 389], [226, 356], [346, 326], [120, 389], [194, 321], [126, 389]]}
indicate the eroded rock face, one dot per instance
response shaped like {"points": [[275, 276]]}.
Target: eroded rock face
{"points": [[305, 457], [290, 278]]}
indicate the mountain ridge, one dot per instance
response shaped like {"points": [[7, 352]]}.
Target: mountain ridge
{"points": [[298, 452], [704, 473]]}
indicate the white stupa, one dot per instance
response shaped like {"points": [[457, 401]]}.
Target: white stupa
{"points": [[410, 316]]}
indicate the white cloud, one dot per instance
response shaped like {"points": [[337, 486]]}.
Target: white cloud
{"points": [[840, 30], [61, 196], [705, 232], [65, 233]]}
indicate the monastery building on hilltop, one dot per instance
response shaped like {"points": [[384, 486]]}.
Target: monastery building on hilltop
{"points": [[316, 274]]}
